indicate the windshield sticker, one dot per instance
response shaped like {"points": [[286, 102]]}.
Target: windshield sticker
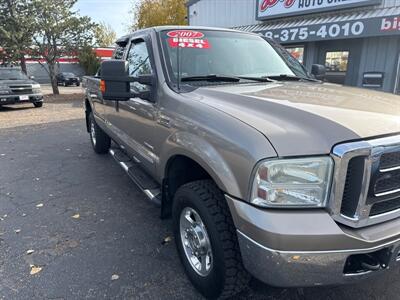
{"points": [[185, 34], [188, 43]]}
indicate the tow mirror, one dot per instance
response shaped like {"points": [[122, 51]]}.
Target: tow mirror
{"points": [[115, 81], [318, 71]]}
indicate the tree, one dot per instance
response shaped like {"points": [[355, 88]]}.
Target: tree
{"points": [[16, 30], [59, 32], [105, 36], [148, 13], [88, 60]]}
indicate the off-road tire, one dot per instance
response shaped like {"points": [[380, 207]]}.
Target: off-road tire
{"points": [[227, 276], [38, 104], [101, 142]]}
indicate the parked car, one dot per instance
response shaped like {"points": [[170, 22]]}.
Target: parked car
{"points": [[17, 88], [264, 169], [68, 78]]}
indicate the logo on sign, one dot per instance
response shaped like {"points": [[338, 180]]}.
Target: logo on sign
{"points": [[265, 4], [185, 34]]}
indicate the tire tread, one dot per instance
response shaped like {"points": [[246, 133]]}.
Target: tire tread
{"points": [[236, 277]]}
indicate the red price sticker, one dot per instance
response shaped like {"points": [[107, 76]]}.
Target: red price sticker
{"points": [[185, 34]]}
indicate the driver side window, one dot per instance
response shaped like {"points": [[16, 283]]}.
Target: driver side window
{"points": [[139, 64]]}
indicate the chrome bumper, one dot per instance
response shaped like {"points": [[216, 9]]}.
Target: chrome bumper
{"points": [[302, 269], [15, 99]]}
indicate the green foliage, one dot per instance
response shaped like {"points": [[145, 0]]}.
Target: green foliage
{"points": [[16, 30], [88, 60], [105, 36], [148, 13], [59, 31]]}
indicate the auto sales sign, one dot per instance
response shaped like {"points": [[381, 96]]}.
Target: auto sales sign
{"points": [[269, 9]]}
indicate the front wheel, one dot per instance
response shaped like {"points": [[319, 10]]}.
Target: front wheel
{"points": [[101, 142], [206, 240], [38, 104]]}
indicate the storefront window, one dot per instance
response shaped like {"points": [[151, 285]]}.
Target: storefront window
{"points": [[336, 66], [337, 61], [297, 52]]}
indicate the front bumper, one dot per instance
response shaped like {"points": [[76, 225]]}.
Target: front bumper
{"points": [[294, 248], [18, 99]]}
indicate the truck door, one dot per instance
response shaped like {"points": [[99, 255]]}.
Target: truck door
{"points": [[135, 118]]}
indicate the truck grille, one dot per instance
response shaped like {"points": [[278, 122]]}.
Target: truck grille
{"points": [[387, 182], [21, 89], [367, 182]]}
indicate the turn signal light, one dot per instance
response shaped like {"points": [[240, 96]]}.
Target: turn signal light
{"points": [[102, 86]]}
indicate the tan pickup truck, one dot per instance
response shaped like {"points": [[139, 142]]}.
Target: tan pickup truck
{"points": [[265, 170]]}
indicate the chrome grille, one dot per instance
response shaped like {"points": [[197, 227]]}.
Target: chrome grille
{"points": [[390, 160], [21, 89], [366, 187]]}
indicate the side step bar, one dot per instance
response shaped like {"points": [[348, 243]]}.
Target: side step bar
{"points": [[147, 184]]}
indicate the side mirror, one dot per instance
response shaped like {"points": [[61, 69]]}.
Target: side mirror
{"points": [[115, 81], [31, 77], [318, 71]]}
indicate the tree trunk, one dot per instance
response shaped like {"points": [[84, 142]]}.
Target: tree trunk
{"points": [[23, 64], [53, 79]]}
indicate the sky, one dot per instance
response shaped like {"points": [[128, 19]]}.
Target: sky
{"points": [[113, 12]]}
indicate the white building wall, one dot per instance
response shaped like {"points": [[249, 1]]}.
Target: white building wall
{"points": [[223, 13]]}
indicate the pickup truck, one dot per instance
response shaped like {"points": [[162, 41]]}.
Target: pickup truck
{"points": [[264, 169], [18, 88]]}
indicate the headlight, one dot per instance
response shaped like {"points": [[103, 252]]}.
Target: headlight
{"points": [[300, 182], [36, 86], [4, 90]]}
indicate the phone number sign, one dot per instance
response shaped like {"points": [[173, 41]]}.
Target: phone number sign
{"points": [[268, 9], [338, 30]]}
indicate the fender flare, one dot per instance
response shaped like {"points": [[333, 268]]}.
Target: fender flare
{"points": [[203, 153]]}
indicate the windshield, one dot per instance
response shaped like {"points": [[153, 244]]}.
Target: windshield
{"points": [[207, 52], [69, 74], [12, 75]]}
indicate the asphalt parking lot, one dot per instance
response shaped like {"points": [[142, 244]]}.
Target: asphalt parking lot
{"points": [[73, 226]]}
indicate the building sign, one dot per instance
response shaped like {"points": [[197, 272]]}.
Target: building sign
{"points": [[269, 9], [338, 30]]}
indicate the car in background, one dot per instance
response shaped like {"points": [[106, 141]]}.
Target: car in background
{"points": [[16, 88], [68, 78]]}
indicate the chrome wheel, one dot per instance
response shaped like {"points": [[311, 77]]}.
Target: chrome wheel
{"points": [[93, 133], [195, 241]]}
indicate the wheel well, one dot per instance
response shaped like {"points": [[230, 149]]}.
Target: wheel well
{"points": [[88, 110], [179, 170]]}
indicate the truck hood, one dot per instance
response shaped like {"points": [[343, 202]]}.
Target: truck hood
{"points": [[14, 82], [301, 118]]}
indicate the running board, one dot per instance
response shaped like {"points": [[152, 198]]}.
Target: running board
{"points": [[147, 184]]}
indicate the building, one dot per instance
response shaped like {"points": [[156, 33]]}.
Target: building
{"points": [[357, 40]]}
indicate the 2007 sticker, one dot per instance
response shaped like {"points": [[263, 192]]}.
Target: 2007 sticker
{"points": [[187, 39]]}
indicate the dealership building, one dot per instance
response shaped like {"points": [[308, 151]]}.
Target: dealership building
{"points": [[357, 40]]}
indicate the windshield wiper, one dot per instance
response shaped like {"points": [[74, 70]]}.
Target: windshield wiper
{"points": [[211, 77], [286, 77], [260, 79]]}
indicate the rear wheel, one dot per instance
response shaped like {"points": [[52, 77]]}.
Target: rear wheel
{"points": [[206, 240], [38, 104], [101, 142]]}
